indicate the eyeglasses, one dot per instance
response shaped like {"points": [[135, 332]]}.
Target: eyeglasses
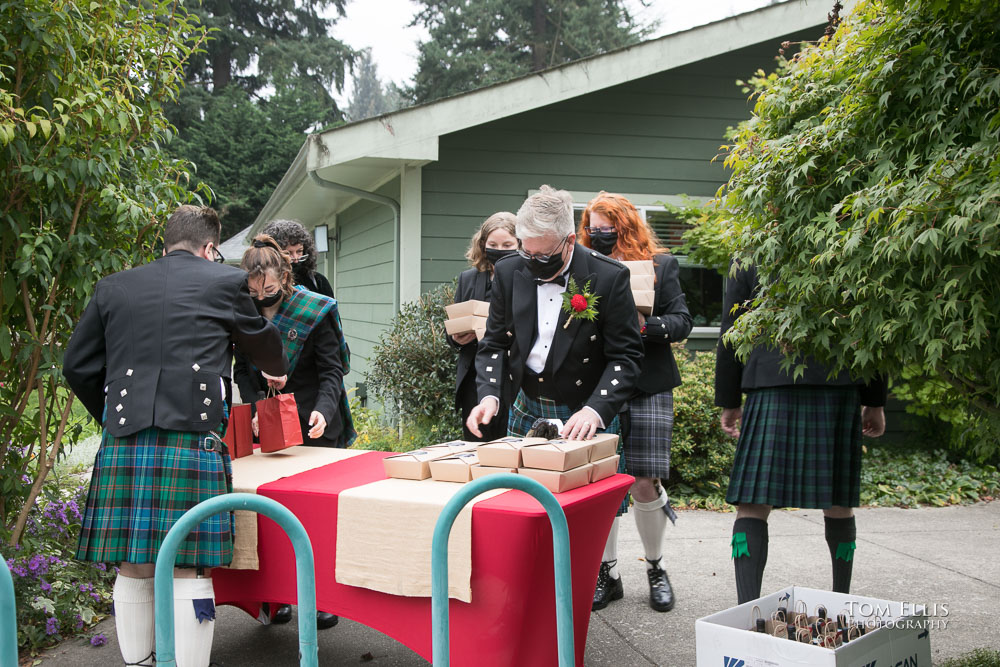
{"points": [[300, 259], [538, 257], [218, 259], [594, 230], [265, 295]]}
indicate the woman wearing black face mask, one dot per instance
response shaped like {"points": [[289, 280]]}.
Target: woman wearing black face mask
{"points": [[612, 226], [317, 358], [494, 241]]}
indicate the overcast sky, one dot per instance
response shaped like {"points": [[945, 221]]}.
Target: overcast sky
{"points": [[383, 25]]}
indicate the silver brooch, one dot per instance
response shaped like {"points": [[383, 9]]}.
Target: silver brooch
{"points": [[292, 334]]}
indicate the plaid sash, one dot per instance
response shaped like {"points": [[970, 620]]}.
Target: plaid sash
{"points": [[299, 315]]}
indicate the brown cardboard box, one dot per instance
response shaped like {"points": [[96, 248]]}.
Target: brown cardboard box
{"points": [[602, 468], [471, 307], [480, 332], [483, 471], [457, 468], [557, 454], [506, 452], [466, 324], [640, 267], [558, 481], [605, 445], [643, 301], [643, 281], [416, 464]]}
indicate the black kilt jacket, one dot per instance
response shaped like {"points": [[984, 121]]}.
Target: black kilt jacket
{"points": [[670, 322], [155, 343], [592, 363]]}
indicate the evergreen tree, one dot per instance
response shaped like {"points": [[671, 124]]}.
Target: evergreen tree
{"points": [[476, 43], [259, 85], [369, 96]]}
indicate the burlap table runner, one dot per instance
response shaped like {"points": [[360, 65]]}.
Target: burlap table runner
{"points": [[252, 472], [384, 535]]}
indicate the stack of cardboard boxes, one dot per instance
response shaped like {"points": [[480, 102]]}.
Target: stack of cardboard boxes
{"points": [[559, 465], [466, 317], [643, 284]]}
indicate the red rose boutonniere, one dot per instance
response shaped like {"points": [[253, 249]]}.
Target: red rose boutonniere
{"points": [[579, 304]]}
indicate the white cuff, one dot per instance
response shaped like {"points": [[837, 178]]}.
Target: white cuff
{"points": [[495, 399]]}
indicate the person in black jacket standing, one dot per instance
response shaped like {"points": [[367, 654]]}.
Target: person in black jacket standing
{"points": [[494, 241], [150, 359], [799, 443], [296, 240], [611, 225], [562, 340]]}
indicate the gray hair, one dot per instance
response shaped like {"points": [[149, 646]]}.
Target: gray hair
{"points": [[547, 212]]}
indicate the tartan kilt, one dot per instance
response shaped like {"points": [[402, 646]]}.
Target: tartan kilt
{"points": [[526, 410], [141, 485], [799, 446], [649, 426]]}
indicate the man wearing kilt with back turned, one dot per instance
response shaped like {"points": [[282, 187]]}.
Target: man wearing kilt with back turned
{"points": [[799, 444], [151, 360], [576, 365]]}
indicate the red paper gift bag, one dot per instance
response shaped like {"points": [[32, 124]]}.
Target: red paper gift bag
{"points": [[239, 434], [278, 423]]}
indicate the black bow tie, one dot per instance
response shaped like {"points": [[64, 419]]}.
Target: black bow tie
{"points": [[558, 280]]}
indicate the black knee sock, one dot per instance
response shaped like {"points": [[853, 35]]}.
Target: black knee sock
{"points": [[749, 557], [840, 537]]}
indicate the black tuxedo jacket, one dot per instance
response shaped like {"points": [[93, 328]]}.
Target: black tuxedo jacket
{"points": [[317, 382], [155, 342], [593, 364], [763, 366], [670, 322], [472, 284]]}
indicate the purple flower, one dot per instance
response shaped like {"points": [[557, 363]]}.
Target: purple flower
{"points": [[98, 640], [79, 622], [51, 626], [45, 586]]}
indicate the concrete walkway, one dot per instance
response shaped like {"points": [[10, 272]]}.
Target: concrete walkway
{"points": [[944, 555]]}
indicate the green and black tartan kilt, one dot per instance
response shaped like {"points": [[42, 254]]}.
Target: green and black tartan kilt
{"points": [[526, 410], [141, 485], [799, 446]]}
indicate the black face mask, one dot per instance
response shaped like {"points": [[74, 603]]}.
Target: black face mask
{"points": [[545, 270], [494, 255], [267, 301], [604, 242]]}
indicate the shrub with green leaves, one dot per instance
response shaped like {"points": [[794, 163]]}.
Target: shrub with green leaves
{"points": [[413, 367], [866, 189], [701, 455]]}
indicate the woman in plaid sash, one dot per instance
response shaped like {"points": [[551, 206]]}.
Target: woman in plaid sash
{"points": [[611, 225]]}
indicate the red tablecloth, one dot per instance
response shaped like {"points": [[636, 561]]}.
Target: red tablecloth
{"points": [[511, 619]]}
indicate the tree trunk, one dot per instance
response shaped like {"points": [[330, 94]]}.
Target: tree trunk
{"points": [[222, 72], [539, 45]]}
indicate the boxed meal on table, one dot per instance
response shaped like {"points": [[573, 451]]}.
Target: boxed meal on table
{"points": [[804, 626], [505, 452], [603, 446], [466, 308], [483, 471], [557, 455], [602, 468], [416, 464], [558, 481], [454, 468]]}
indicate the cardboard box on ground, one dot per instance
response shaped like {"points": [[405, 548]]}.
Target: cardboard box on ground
{"points": [[726, 638]]}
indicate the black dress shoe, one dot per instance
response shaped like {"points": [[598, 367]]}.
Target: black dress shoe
{"points": [[282, 615], [326, 620], [608, 589], [661, 595]]}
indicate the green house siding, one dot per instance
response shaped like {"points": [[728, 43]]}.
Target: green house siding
{"points": [[654, 136], [364, 272]]}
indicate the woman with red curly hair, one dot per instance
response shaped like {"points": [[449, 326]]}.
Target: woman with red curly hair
{"points": [[612, 226]]}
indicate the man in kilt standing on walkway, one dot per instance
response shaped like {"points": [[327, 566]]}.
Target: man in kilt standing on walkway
{"points": [[151, 360], [799, 443], [562, 339]]}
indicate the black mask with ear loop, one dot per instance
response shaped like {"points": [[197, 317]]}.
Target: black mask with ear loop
{"points": [[267, 301]]}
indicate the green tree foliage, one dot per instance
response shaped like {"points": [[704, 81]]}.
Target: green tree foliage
{"points": [[476, 43], [85, 186], [369, 96], [866, 188], [413, 367], [263, 80]]}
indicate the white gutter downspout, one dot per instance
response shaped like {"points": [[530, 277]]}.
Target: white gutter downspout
{"points": [[378, 199]]}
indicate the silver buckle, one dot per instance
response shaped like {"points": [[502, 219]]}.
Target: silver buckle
{"points": [[212, 443]]}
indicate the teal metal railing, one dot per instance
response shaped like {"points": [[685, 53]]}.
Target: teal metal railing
{"points": [[8, 618], [304, 570], [560, 549]]}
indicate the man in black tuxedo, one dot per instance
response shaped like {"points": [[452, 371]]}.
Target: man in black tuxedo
{"points": [[151, 360], [538, 358]]}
